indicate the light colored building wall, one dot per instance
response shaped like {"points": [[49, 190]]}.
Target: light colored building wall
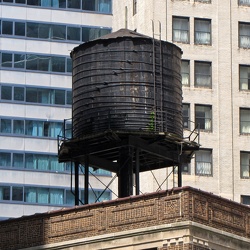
{"points": [[224, 96], [57, 113]]}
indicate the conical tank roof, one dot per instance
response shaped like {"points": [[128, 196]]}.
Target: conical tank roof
{"points": [[121, 33]]}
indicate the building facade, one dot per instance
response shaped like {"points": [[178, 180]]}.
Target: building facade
{"points": [[215, 39], [177, 219], [36, 37]]}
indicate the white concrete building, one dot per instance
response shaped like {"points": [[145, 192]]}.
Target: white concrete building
{"points": [[215, 38], [35, 94]]}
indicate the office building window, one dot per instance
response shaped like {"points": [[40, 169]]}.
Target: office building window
{"points": [[244, 35], [203, 74], [203, 117], [203, 162], [181, 29], [185, 73], [5, 159], [51, 31], [244, 77], [244, 121], [245, 164], [245, 199], [103, 6], [4, 193], [244, 2], [186, 115], [46, 195], [134, 7], [202, 31], [35, 62], [42, 96]]}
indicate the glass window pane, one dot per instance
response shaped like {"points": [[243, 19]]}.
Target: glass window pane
{"points": [[69, 65], [30, 194], [244, 35], [244, 121], [34, 128], [31, 95], [44, 63], [203, 117], [7, 28], [186, 115], [30, 161], [181, 30], [203, 161], [44, 31], [32, 30], [202, 31], [6, 93], [74, 4], [244, 2], [43, 96], [17, 160], [18, 127], [55, 165], [46, 3], [19, 93], [73, 33], [185, 72], [19, 61], [58, 32], [7, 60], [70, 198], [58, 64], [88, 5], [5, 126], [62, 3], [60, 97], [4, 193], [104, 6], [19, 29], [244, 77], [31, 62], [21, 1], [56, 196], [17, 193], [69, 98], [34, 2], [43, 195], [42, 162], [203, 74], [5, 159]]}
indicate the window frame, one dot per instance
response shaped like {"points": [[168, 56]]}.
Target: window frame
{"points": [[247, 3], [175, 18], [186, 119], [241, 67], [210, 151], [208, 121], [196, 32], [187, 73], [244, 168], [240, 36], [197, 74], [241, 121]]}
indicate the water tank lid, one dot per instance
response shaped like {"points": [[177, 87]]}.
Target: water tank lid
{"points": [[122, 33]]}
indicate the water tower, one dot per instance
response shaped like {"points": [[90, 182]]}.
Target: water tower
{"points": [[126, 109]]}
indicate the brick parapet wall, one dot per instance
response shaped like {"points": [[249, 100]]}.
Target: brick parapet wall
{"points": [[165, 207]]}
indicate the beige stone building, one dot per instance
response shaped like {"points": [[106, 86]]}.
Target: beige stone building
{"points": [[215, 38]]}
